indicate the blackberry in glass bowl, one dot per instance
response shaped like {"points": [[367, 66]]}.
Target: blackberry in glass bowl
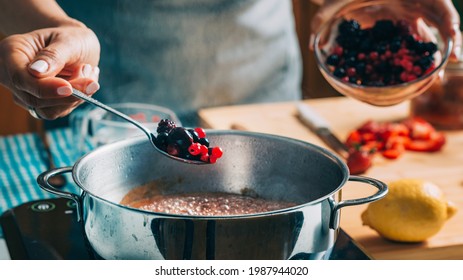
{"points": [[377, 52]]}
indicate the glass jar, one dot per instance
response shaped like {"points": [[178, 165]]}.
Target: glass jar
{"points": [[442, 104]]}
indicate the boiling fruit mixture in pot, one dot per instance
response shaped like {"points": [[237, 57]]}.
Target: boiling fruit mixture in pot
{"points": [[200, 204]]}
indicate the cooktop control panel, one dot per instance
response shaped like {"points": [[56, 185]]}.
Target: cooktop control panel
{"points": [[44, 229]]}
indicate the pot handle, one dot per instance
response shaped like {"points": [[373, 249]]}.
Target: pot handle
{"points": [[382, 191], [43, 182]]}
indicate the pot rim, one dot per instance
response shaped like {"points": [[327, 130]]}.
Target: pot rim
{"points": [[338, 161]]}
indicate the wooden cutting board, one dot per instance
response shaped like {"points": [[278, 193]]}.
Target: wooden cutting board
{"points": [[444, 168]]}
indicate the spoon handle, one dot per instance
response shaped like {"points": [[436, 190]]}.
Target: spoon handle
{"points": [[95, 102], [148, 133]]}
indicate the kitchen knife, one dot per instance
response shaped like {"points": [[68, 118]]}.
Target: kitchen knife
{"points": [[321, 128]]}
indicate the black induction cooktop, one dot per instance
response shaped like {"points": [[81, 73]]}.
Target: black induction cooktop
{"points": [[48, 230]]}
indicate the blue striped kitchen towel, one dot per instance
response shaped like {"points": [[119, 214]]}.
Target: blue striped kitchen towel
{"points": [[22, 160]]}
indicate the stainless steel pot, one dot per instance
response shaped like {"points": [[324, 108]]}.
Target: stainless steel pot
{"points": [[267, 166]]}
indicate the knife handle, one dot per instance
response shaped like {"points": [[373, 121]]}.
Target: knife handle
{"points": [[311, 118]]}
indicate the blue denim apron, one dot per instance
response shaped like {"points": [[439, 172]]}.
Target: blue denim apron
{"points": [[192, 54]]}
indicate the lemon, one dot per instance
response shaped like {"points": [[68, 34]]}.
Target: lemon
{"points": [[412, 211]]}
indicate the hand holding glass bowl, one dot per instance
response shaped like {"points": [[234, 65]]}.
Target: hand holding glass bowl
{"points": [[367, 13]]}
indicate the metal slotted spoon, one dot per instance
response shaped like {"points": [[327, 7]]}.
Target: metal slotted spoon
{"points": [[146, 131]]}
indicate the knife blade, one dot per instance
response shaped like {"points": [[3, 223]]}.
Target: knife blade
{"points": [[321, 128]]}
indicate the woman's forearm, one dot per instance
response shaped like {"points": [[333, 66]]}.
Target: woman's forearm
{"points": [[20, 16]]}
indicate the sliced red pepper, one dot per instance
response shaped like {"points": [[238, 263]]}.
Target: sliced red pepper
{"points": [[394, 147], [391, 153], [435, 143], [368, 136], [371, 147], [390, 139], [419, 128], [369, 126], [389, 130], [354, 139]]}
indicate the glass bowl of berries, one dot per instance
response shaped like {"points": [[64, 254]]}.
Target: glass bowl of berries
{"points": [[381, 52]]}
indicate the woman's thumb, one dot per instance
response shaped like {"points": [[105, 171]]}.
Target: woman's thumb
{"points": [[50, 61]]}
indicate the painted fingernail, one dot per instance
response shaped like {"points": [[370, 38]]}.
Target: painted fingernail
{"points": [[87, 70], [92, 88], [40, 66], [96, 70], [64, 90]]}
